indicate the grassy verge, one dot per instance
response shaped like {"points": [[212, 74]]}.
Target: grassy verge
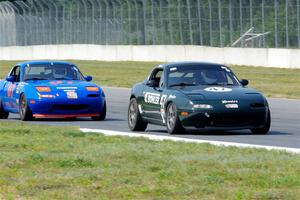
{"points": [[43, 162], [273, 82]]}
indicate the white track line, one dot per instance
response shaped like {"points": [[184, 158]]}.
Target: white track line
{"points": [[179, 139]]}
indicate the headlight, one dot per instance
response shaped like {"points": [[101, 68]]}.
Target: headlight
{"points": [[203, 106], [92, 89], [43, 89]]}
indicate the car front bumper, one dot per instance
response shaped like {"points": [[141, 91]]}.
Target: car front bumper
{"points": [[225, 120], [62, 108]]}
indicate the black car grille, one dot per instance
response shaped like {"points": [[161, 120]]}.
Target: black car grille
{"points": [[93, 95], [231, 121], [70, 107]]}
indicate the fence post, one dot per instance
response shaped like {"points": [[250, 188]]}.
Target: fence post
{"points": [[188, 3], [170, 22], [121, 22], [56, 22], [162, 38], [35, 17], [298, 22], [241, 17], [14, 11], [1, 26], [91, 2], [199, 22], [210, 23], [230, 21], [263, 21], [287, 23], [275, 24], [42, 31], [251, 19], [4, 29], [129, 20], [220, 22], [28, 40], [179, 20], [137, 22], [153, 23]]}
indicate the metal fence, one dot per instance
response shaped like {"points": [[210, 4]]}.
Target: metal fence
{"points": [[271, 23]]}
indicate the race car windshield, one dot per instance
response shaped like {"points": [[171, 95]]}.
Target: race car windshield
{"points": [[201, 75], [52, 72]]}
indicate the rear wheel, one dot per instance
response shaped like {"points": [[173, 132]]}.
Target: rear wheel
{"points": [[25, 112], [266, 128], [173, 123], [135, 121], [102, 114], [3, 114]]}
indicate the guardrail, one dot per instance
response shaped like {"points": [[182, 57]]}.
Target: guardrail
{"points": [[285, 58]]}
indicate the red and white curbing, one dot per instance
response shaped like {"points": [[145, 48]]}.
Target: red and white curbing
{"points": [[179, 139]]}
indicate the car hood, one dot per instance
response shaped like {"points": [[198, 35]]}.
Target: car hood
{"points": [[219, 92], [56, 85]]}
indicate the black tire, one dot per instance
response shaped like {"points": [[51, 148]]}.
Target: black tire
{"points": [[266, 128], [102, 115], [25, 112], [3, 114], [174, 125], [135, 121]]}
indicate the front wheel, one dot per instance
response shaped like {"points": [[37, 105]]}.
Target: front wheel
{"points": [[102, 115], [25, 112], [266, 128], [135, 121], [173, 123], [3, 114]]}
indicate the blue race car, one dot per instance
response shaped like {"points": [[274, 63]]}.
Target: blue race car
{"points": [[45, 89]]}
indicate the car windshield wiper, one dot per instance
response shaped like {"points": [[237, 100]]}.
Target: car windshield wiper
{"points": [[219, 84], [65, 78], [182, 84], [34, 79]]}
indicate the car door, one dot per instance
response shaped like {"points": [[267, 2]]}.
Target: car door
{"points": [[153, 95], [10, 97]]}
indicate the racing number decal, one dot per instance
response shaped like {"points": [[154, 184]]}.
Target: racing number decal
{"points": [[10, 90], [157, 99]]}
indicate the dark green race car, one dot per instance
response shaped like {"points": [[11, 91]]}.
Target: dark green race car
{"points": [[197, 95]]}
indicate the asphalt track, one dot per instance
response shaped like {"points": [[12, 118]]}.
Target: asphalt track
{"points": [[285, 128]]}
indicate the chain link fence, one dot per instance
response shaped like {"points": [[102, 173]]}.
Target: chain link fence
{"points": [[218, 23]]}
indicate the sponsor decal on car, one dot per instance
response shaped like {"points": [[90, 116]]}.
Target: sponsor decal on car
{"points": [[66, 88], [72, 95], [229, 101], [152, 98], [232, 105], [218, 89]]}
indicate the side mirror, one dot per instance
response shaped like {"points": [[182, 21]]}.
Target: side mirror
{"points": [[151, 83], [244, 82], [88, 78], [10, 78]]}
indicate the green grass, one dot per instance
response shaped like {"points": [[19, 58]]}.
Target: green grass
{"points": [[273, 82], [45, 162]]}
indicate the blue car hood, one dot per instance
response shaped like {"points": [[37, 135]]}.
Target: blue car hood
{"points": [[56, 85]]}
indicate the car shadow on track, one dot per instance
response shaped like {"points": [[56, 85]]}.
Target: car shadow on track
{"points": [[218, 133], [68, 120]]}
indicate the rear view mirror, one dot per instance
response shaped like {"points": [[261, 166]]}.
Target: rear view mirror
{"points": [[88, 78], [244, 82], [10, 78]]}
